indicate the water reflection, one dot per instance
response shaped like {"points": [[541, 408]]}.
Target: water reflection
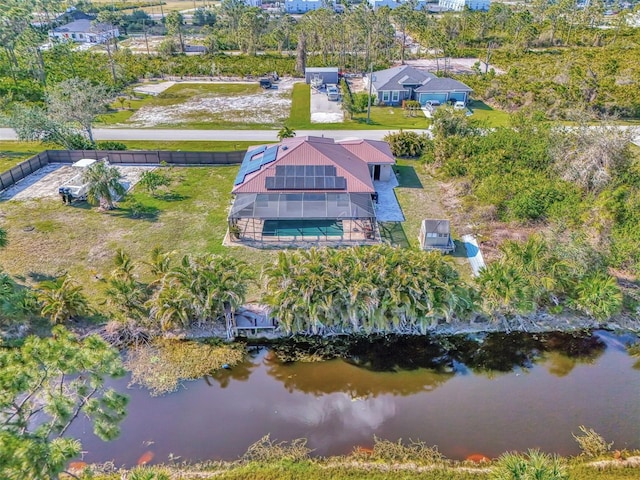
{"points": [[499, 352], [240, 372], [322, 378], [369, 366]]}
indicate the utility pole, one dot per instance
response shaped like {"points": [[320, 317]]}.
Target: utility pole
{"points": [[370, 88], [144, 29]]}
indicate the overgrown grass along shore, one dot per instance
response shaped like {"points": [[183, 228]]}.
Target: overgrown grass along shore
{"points": [[268, 459]]}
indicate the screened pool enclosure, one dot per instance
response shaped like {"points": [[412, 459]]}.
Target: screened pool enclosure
{"points": [[304, 217]]}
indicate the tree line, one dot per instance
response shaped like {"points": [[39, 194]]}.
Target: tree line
{"points": [[380, 289], [552, 52]]}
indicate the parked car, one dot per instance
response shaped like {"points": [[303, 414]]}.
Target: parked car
{"points": [[433, 103], [333, 93], [266, 83], [459, 105]]}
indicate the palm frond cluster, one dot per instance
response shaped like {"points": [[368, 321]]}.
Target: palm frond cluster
{"points": [[364, 289], [532, 274], [200, 289]]}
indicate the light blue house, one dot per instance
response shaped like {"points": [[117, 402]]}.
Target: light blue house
{"points": [[303, 6], [459, 5], [396, 84]]}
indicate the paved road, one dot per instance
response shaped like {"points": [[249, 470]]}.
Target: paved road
{"points": [[240, 135], [209, 135]]}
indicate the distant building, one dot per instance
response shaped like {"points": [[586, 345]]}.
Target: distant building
{"points": [[375, 4], [253, 3], [303, 6], [85, 31], [459, 5]]}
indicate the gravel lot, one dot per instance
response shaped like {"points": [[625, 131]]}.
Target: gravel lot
{"points": [[270, 106], [45, 182]]}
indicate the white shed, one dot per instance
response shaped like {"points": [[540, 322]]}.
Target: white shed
{"points": [[435, 234], [328, 75]]}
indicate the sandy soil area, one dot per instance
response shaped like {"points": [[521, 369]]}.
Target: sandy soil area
{"points": [[270, 106], [455, 65], [46, 181]]}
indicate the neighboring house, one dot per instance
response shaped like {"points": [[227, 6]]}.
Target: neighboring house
{"points": [[375, 4], [436, 235], [307, 190], [253, 3], [321, 75], [85, 31], [459, 5], [303, 6], [396, 84]]}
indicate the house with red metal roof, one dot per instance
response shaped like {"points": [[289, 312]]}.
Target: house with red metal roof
{"points": [[309, 190]]}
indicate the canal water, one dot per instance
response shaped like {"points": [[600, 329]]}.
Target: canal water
{"points": [[483, 394]]}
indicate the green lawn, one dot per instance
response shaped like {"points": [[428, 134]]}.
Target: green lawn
{"points": [[189, 146], [484, 113], [12, 153], [381, 117], [393, 118]]}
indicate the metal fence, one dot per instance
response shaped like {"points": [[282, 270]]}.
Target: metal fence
{"points": [[23, 169], [142, 157], [148, 157]]}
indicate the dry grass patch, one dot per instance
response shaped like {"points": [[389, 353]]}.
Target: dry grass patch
{"points": [[162, 365]]}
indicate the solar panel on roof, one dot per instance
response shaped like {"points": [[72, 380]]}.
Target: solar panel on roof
{"points": [[270, 155], [305, 177]]}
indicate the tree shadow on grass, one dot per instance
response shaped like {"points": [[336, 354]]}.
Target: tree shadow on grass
{"points": [[171, 196], [407, 177], [40, 277], [393, 233], [137, 211], [81, 205]]}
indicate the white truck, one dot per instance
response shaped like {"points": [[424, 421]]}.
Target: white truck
{"points": [[76, 188]]}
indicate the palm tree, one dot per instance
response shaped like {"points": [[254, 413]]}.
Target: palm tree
{"points": [[170, 306], [505, 289], [202, 288], [124, 266], [159, 262], [104, 185], [286, 132], [598, 295], [62, 299]]}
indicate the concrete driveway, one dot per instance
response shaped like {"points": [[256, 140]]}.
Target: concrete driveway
{"points": [[324, 110]]}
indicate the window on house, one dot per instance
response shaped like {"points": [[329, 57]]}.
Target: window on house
{"points": [[395, 97], [385, 96]]}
